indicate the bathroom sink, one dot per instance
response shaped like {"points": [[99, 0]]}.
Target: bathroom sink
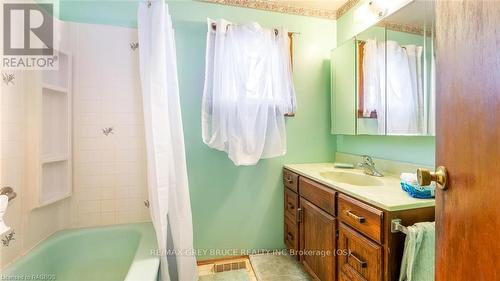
{"points": [[352, 178]]}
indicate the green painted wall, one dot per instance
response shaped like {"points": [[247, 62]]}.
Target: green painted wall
{"points": [[238, 207], [420, 150]]}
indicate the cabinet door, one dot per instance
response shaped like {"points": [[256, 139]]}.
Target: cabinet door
{"points": [[317, 241]]}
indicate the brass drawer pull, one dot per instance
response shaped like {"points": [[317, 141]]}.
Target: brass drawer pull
{"points": [[363, 264], [291, 206], [299, 215], [358, 218], [289, 179]]}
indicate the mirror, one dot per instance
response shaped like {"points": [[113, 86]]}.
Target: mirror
{"points": [[370, 81], [409, 65], [383, 79]]}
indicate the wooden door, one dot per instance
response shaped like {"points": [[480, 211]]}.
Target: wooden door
{"points": [[468, 139], [317, 241]]}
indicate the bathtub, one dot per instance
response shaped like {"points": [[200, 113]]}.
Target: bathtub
{"points": [[121, 252]]}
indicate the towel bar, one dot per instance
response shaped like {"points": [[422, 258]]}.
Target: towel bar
{"points": [[396, 226]]}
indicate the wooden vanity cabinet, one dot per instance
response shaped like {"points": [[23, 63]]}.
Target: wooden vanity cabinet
{"points": [[291, 207], [340, 237], [310, 224], [317, 241], [362, 217], [317, 194], [364, 258], [291, 236], [291, 180]]}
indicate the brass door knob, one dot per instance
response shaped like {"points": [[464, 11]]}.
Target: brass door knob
{"points": [[440, 176]]}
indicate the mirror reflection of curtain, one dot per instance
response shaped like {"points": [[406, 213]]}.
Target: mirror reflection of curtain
{"points": [[402, 89], [414, 54], [403, 102], [374, 82]]}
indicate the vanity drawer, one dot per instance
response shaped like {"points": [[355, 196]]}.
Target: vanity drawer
{"points": [[319, 195], [361, 216], [291, 205], [291, 235], [290, 180], [363, 258]]}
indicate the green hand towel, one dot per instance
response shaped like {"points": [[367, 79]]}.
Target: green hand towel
{"points": [[418, 256]]}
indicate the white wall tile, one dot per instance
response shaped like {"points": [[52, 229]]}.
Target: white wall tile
{"points": [[89, 206], [107, 193], [88, 194], [91, 106], [16, 168], [89, 219], [110, 170], [93, 118], [108, 205], [108, 218], [88, 169]]}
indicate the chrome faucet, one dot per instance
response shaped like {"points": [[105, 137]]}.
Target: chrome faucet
{"points": [[368, 166]]}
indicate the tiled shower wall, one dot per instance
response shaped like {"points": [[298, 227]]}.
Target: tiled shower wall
{"points": [[109, 177], [30, 225], [108, 145]]}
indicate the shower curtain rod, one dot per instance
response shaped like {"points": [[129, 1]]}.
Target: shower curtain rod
{"points": [[214, 27], [360, 41]]}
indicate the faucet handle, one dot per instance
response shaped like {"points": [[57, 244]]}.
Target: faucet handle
{"points": [[368, 160]]}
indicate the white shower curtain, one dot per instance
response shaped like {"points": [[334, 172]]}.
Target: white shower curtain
{"points": [[166, 163], [414, 54], [401, 99], [393, 87], [248, 90], [374, 82]]}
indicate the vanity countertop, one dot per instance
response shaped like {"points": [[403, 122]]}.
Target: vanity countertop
{"points": [[388, 196]]}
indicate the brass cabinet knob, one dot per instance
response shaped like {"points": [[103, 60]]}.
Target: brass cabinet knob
{"points": [[440, 176]]}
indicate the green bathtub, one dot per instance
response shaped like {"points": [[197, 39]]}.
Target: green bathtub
{"points": [[120, 252]]}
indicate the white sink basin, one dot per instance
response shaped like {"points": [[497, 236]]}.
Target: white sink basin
{"points": [[352, 178]]}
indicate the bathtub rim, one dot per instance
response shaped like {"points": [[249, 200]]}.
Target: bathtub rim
{"points": [[144, 264]]}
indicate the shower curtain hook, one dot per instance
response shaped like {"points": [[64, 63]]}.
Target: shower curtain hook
{"points": [[149, 3]]}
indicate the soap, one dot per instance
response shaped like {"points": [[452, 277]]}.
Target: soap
{"points": [[343, 165]]}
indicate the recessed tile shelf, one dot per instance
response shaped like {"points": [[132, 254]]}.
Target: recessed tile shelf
{"points": [[54, 158], [55, 88], [56, 182], [55, 136], [60, 77], [55, 122]]}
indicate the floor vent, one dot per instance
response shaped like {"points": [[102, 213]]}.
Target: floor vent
{"points": [[228, 266]]}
